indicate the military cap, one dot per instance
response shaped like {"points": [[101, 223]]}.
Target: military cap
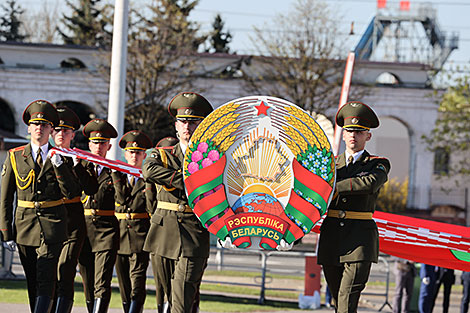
{"points": [[355, 115], [67, 118], [135, 140], [41, 111], [99, 130], [167, 142], [189, 106]]}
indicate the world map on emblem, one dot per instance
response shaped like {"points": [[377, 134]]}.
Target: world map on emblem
{"points": [[260, 171]]}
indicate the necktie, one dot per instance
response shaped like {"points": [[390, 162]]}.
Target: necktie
{"points": [[39, 158], [350, 160]]}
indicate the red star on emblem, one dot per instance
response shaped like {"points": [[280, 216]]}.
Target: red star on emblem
{"points": [[262, 108]]}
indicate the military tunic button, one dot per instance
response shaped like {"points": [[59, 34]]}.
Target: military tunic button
{"points": [[94, 220], [344, 199], [39, 181], [342, 214], [38, 213], [128, 216], [39, 192], [181, 208], [94, 201], [129, 226], [341, 224]]}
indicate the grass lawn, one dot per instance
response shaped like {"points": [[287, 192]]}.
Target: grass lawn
{"points": [[14, 291]]}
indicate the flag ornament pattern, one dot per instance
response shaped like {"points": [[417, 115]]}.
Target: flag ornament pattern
{"points": [[259, 170], [422, 241]]}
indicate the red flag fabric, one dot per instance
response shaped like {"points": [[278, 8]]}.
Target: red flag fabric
{"points": [[422, 241], [405, 5], [381, 4]]}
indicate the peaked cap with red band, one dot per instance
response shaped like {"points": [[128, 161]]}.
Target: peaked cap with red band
{"points": [[40, 111], [355, 115], [189, 106]]}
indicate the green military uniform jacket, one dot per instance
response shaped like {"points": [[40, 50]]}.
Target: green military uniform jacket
{"points": [[34, 184], [172, 234], [102, 231], [352, 240], [86, 179], [131, 200]]}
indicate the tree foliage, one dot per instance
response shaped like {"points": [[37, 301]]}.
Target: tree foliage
{"points": [[451, 133], [300, 58], [161, 63], [10, 22], [41, 26], [219, 39], [88, 24], [392, 196]]}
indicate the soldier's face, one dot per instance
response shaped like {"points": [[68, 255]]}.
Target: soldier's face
{"points": [[99, 148], [135, 157], [185, 129], [63, 137], [355, 140], [40, 132]]}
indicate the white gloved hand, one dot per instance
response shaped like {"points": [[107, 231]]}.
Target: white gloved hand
{"points": [[284, 246], [75, 160], [56, 159], [227, 243], [9, 245], [426, 280]]}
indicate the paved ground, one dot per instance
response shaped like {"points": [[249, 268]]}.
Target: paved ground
{"points": [[372, 300]]}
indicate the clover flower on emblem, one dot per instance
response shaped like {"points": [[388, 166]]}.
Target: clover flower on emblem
{"points": [[213, 155], [197, 156]]}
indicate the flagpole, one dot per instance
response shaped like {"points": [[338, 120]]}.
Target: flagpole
{"points": [[343, 98], [117, 84]]}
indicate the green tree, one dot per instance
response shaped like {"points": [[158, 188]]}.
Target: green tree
{"points": [[10, 22], [161, 63], [88, 25], [392, 196], [451, 133], [301, 57], [219, 39]]}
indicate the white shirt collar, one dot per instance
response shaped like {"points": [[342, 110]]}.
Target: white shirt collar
{"points": [[355, 156], [183, 147], [44, 151]]}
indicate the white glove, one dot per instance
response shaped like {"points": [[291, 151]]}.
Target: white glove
{"points": [[227, 243], [75, 160], [9, 245], [56, 159], [426, 280], [284, 246]]}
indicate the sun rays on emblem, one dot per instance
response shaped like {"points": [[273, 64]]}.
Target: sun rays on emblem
{"points": [[260, 164]]}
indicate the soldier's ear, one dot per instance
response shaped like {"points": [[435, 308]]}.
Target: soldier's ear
{"points": [[369, 136], [109, 146]]}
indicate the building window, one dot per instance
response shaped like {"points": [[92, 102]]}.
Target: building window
{"points": [[441, 161]]}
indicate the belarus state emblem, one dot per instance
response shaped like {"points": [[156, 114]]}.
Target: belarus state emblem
{"points": [[259, 171]]}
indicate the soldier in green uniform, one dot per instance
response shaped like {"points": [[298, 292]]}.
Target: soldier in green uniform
{"points": [[176, 237], [349, 240], [163, 299], [98, 255], [134, 201], [40, 180], [63, 134]]}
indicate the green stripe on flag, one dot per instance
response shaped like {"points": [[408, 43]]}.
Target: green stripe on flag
{"points": [[204, 188], [289, 237], [213, 212], [299, 215], [462, 256], [309, 193], [222, 233]]}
